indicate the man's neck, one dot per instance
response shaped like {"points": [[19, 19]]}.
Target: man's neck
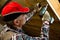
{"points": [[18, 27]]}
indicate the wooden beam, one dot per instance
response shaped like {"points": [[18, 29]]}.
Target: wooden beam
{"points": [[55, 5]]}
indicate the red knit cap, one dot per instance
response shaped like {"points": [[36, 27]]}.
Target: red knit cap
{"points": [[14, 7]]}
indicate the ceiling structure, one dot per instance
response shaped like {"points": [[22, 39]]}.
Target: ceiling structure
{"points": [[55, 5]]}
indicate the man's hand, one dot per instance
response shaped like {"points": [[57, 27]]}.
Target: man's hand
{"points": [[47, 17]]}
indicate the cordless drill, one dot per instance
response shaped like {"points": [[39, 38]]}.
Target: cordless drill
{"points": [[42, 12]]}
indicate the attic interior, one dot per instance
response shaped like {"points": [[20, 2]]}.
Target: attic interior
{"points": [[33, 26]]}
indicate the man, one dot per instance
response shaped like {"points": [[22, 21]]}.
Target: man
{"points": [[15, 17]]}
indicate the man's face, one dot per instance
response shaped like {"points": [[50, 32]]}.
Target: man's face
{"points": [[22, 19]]}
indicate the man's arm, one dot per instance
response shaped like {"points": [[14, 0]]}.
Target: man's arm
{"points": [[45, 30]]}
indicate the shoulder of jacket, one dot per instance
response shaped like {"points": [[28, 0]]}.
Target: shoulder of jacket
{"points": [[7, 35]]}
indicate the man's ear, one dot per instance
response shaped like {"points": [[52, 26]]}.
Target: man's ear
{"points": [[16, 22]]}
